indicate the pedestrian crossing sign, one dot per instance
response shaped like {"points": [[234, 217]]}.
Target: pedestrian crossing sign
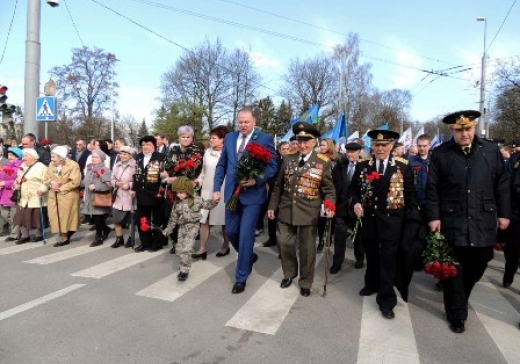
{"points": [[46, 108]]}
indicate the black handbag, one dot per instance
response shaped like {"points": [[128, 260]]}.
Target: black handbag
{"points": [[15, 196]]}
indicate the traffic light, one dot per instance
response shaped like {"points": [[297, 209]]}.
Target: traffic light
{"points": [[3, 96]]}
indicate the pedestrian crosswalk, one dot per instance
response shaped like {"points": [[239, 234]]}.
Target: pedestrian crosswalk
{"points": [[265, 307]]}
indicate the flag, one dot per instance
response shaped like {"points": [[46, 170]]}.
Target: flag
{"points": [[310, 116], [419, 133], [436, 141], [340, 129], [366, 139], [406, 138], [287, 136], [383, 127], [353, 136]]}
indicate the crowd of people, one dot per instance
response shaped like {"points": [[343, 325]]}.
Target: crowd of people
{"points": [[314, 195]]}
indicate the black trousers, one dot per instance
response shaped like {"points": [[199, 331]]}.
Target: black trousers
{"points": [[473, 263], [380, 272], [152, 238], [100, 223], [512, 249], [340, 242]]}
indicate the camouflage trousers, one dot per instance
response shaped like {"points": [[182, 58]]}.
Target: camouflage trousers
{"points": [[184, 247]]}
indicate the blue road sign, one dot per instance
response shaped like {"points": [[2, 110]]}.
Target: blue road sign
{"points": [[46, 108]]}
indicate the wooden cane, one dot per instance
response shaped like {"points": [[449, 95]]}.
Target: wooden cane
{"points": [[327, 253]]}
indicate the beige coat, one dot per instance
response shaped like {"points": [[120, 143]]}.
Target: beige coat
{"points": [[33, 181], [68, 197]]}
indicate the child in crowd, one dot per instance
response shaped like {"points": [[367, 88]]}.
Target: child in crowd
{"points": [[186, 213]]}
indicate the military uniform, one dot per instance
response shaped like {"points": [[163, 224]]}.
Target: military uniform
{"points": [[297, 197]]}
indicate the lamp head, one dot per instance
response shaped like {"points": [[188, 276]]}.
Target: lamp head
{"points": [[53, 3]]}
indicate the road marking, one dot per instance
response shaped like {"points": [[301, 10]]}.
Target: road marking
{"points": [[115, 265], [499, 318], [386, 341], [19, 248], [265, 311], [65, 254], [39, 301], [169, 288]]}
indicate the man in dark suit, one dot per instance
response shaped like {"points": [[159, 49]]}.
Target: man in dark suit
{"points": [[240, 223], [303, 183], [342, 177], [80, 155], [382, 191]]}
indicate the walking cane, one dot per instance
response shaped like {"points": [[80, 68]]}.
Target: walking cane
{"points": [[328, 227], [43, 223], [58, 211], [132, 223]]}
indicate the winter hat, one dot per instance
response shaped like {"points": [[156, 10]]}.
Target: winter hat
{"points": [[31, 152], [100, 154], [16, 151], [183, 184], [61, 151]]}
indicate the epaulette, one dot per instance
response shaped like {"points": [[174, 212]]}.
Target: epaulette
{"points": [[366, 159], [402, 160], [323, 157], [292, 152]]}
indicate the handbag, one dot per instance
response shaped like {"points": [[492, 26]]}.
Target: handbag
{"points": [[102, 199], [17, 193]]}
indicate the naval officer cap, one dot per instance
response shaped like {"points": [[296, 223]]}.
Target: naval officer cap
{"points": [[461, 119], [383, 136], [353, 146], [305, 131]]}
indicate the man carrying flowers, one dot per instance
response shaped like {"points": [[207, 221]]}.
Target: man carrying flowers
{"points": [[382, 191], [302, 185]]}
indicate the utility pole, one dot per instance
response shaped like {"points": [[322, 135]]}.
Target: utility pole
{"points": [[481, 127]]}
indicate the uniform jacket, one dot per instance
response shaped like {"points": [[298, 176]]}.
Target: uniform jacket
{"points": [[341, 185], [299, 192], [31, 183], [468, 193], [390, 198], [147, 180], [227, 168], [123, 173], [183, 213]]}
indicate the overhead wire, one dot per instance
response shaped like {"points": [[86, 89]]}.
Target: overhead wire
{"points": [[73, 23], [9, 32], [500, 27]]}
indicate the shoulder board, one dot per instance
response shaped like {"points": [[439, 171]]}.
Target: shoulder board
{"points": [[323, 157], [401, 159], [365, 159], [292, 152]]}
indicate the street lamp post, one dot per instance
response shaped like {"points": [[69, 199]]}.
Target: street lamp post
{"points": [[481, 127]]}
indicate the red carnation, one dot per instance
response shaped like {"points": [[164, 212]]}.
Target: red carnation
{"points": [[329, 205], [102, 170]]}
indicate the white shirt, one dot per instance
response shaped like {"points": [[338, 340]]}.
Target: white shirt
{"points": [[146, 159], [385, 163]]}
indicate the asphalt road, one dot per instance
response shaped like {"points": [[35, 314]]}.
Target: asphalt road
{"points": [[84, 305]]}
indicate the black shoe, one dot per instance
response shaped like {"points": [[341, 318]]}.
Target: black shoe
{"points": [[254, 259], [335, 268], [61, 243], [457, 326], [105, 233], [286, 282], [92, 228], [359, 264], [319, 249], [172, 250], [366, 292], [69, 234], [388, 314], [268, 244], [202, 256], [139, 249], [128, 243], [36, 239], [506, 281], [96, 242], [220, 254], [23, 240], [439, 286], [182, 276], [10, 238], [120, 241], [155, 248], [239, 287], [305, 292]]}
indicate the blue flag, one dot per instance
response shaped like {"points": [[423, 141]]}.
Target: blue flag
{"points": [[340, 129], [310, 116]]}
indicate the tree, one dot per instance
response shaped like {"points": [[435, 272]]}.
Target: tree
{"points": [[86, 89], [506, 121], [143, 129], [265, 114], [168, 121], [282, 121]]}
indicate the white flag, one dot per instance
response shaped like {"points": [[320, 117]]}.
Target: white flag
{"points": [[419, 133]]}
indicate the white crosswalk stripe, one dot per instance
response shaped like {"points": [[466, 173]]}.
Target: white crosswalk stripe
{"points": [[19, 248], [65, 254]]}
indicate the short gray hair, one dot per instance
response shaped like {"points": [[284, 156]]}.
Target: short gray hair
{"points": [[185, 129]]}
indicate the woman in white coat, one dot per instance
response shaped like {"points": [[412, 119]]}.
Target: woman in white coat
{"points": [[205, 180]]}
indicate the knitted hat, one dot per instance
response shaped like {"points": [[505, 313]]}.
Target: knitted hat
{"points": [[61, 151], [16, 151], [100, 154], [183, 184], [31, 152]]}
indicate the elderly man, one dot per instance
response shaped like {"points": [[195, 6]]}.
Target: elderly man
{"points": [[467, 197], [382, 191], [302, 184], [29, 141], [240, 223]]}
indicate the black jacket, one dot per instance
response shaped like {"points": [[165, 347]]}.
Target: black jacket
{"points": [[82, 160], [468, 193], [343, 197], [147, 180]]}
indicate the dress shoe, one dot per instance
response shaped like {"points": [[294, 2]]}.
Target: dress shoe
{"points": [[258, 232], [10, 238], [70, 233], [319, 249], [181, 277], [105, 233], [359, 264], [61, 243], [239, 287], [388, 314], [268, 244], [286, 282], [36, 239], [305, 292], [128, 243], [335, 268], [172, 250], [139, 249], [155, 248], [366, 292], [23, 240], [202, 256], [457, 326], [506, 281], [96, 242], [223, 253], [120, 241], [439, 286]]}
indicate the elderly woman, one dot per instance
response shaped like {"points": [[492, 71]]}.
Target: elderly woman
{"points": [[7, 178], [184, 159], [62, 182], [205, 180], [97, 179], [29, 180], [122, 177]]}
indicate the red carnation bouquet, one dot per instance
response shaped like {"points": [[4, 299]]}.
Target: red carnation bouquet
{"points": [[366, 191], [9, 171], [99, 173], [188, 167], [251, 165], [144, 225], [438, 257]]}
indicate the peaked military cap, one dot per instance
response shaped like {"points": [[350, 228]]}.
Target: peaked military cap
{"points": [[461, 119], [305, 131], [383, 135], [353, 146]]}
